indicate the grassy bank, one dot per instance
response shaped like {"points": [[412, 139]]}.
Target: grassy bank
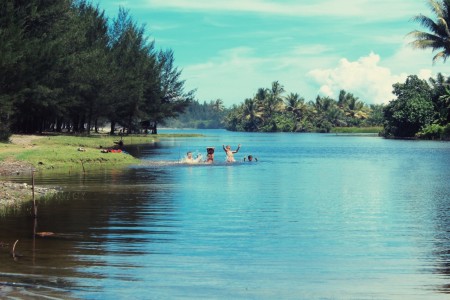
{"points": [[373, 129], [62, 151]]}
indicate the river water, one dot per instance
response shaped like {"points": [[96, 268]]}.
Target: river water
{"points": [[318, 216]]}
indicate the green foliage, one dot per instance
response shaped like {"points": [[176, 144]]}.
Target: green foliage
{"points": [[65, 67], [271, 111], [5, 134], [202, 116], [438, 34], [358, 130], [412, 110], [435, 132]]}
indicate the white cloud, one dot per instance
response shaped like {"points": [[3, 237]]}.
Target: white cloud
{"points": [[230, 76], [365, 78], [365, 10], [236, 74]]}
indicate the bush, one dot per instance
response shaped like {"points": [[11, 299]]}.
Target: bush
{"points": [[431, 132], [434, 132], [446, 132], [5, 134]]}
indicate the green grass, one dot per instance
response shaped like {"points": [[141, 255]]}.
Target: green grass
{"points": [[374, 129], [61, 151]]}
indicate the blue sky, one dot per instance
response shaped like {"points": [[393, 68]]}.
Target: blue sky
{"points": [[229, 49]]}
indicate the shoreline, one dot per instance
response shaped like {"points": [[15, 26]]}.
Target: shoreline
{"points": [[14, 194], [27, 153]]}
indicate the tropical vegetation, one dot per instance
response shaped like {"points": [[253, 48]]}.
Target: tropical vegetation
{"points": [[206, 115], [435, 97], [271, 110], [64, 66]]}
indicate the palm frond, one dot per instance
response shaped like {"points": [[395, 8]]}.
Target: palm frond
{"points": [[444, 23], [441, 55], [436, 8], [426, 22]]}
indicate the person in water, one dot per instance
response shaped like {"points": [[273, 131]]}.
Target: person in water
{"points": [[191, 160], [210, 155], [250, 158], [230, 153]]}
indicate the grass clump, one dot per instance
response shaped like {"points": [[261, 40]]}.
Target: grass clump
{"points": [[373, 129]]}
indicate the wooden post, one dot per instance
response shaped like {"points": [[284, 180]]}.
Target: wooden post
{"points": [[34, 198], [13, 251], [82, 164]]}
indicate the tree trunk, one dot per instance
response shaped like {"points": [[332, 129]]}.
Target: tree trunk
{"points": [[59, 124], [113, 127], [89, 120], [96, 125], [82, 122]]}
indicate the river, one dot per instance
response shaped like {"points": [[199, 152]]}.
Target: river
{"points": [[318, 216]]}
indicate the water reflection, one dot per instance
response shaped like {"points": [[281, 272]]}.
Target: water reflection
{"points": [[98, 216], [441, 239]]}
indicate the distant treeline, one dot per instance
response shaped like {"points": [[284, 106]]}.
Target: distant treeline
{"points": [[65, 66], [421, 109], [209, 115], [270, 110]]}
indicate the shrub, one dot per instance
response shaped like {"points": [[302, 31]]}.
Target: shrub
{"points": [[435, 131], [5, 134], [431, 132]]}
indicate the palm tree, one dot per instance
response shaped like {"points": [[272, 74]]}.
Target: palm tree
{"points": [[297, 106], [218, 105], [274, 100], [439, 36], [441, 97], [251, 112], [354, 109], [261, 95]]}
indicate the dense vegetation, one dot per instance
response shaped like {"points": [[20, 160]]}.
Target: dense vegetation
{"points": [[201, 116], [421, 109], [271, 110], [65, 66]]}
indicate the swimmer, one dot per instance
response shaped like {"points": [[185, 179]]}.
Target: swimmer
{"points": [[210, 155], [191, 160], [250, 158], [230, 153]]}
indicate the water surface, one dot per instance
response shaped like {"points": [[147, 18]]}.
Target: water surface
{"points": [[317, 217]]}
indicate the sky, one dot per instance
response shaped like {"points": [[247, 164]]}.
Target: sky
{"points": [[228, 49]]}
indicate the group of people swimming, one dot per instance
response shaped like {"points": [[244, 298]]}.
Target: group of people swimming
{"points": [[189, 159]]}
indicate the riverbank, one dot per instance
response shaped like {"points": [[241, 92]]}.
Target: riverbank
{"points": [[27, 153], [15, 194]]}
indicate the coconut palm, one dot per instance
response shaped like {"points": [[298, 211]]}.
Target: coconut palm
{"points": [[297, 106], [438, 37], [356, 109], [218, 105], [274, 100], [261, 95], [441, 97], [353, 109], [252, 114]]}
